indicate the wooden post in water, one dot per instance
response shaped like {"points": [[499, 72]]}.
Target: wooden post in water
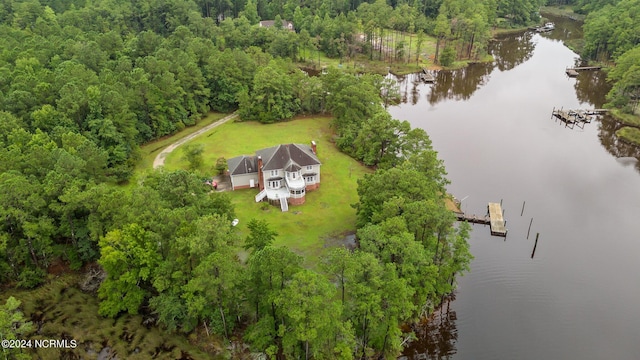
{"points": [[529, 228], [522, 212], [535, 245]]}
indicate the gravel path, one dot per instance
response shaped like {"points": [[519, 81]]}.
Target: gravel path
{"points": [[159, 160]]}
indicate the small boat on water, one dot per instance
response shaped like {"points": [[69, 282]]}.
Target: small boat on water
{"points": [[547, 27]]}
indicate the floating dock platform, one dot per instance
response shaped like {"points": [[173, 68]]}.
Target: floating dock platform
{"points": [[497, 222], [494, 219]]}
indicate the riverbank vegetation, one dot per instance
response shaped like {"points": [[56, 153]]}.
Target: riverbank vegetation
{"points": [[85, 84], [630, 135], [610, 32], [61, 307], [610, 37]]}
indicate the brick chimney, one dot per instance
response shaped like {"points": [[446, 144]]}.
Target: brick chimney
{"points": [[313, 147], [260, 174]]}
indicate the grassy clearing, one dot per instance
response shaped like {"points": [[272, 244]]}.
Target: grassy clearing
{"points": [[626, 119], [327, 214], [562, 11], [149, 151], [630, 135], [361, 63], [61, 310]]}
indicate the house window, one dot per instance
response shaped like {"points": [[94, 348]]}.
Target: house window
{"points": [[297, 192], [293, 175], [274, 184], [309, 167], [309, 179], [274, 172]]}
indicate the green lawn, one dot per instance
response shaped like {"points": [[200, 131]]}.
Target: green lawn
{"points": [[630, 135], [563, 11], [626, 119], [327, 213], [149, 151]]}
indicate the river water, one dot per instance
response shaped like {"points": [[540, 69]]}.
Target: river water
{"points": [[579, 296]]}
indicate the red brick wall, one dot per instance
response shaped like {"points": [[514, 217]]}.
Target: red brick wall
{"points": [[241, 187], [298, 201], [312, 187]]}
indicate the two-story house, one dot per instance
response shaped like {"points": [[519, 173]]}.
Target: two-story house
{"points": [[282, 173]]}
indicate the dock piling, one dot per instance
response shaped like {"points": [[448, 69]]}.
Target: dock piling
{"points": [[535, 246], [522, 212], [528, 231]]}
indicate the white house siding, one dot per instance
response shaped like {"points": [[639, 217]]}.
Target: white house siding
{"points": [[244, 181], [314, 169]]}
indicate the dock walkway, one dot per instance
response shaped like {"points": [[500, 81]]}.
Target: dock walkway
{"points": [[573, 72], [494, 219]]}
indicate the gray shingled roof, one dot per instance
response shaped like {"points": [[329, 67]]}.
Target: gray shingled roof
{"points": [[278, 157], [242, 165], [291, 167]]}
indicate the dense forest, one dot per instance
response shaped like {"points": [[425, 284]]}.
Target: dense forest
{"points": [[612, 32], [84, 83]]}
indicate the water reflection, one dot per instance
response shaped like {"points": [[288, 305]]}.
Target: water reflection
{"points": [[508, 51], [459, 84], [566, 29], [592, 87], [512, 50], [438, 336], [625, 153], [450, 85]]}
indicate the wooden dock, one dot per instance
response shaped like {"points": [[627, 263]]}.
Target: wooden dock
{"points": [[580, 68], [596, 111], [497, 222], [573, 72], [576, 117], [494, 219], [426, 76], [474, 219]]}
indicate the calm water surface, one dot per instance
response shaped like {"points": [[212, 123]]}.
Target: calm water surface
{"points": [[579, 297]]}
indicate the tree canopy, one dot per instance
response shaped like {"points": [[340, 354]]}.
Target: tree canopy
{"points": [[86, 82]]}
